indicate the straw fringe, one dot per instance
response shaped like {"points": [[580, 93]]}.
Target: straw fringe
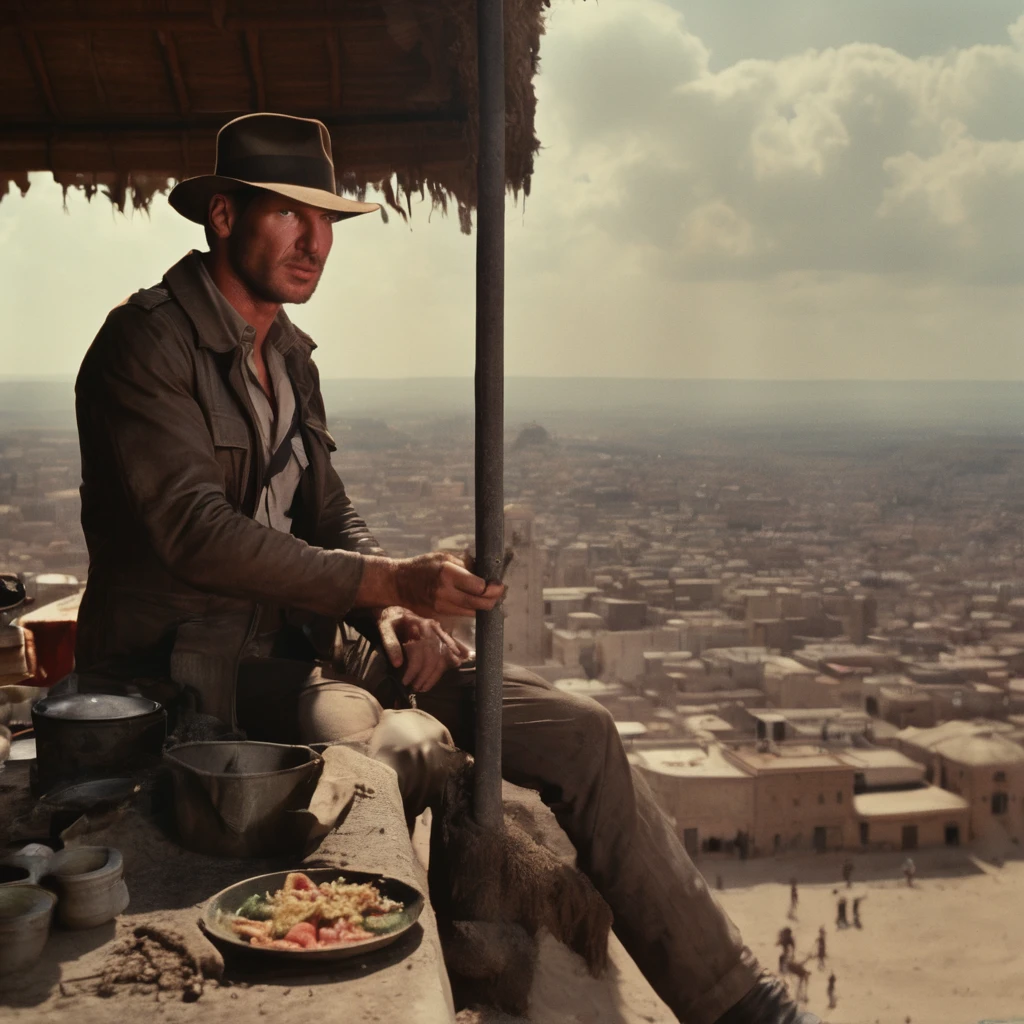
{"points": [[445, 184]]}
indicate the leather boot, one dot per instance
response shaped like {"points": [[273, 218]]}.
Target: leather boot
{"points": [[768, 1002]]}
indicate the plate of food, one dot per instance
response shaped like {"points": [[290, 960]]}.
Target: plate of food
{"points": [[316, 914]]}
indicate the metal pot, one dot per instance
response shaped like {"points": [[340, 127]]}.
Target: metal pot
{"points": [[239, 799], [92, 735]]}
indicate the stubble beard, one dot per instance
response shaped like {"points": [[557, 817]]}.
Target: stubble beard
{"points": [[262, 286]]}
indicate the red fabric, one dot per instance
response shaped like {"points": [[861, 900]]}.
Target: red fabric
{"points": [[54, 650]]}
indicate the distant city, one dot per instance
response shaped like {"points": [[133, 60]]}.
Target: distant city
{"points": [[802, 603]]}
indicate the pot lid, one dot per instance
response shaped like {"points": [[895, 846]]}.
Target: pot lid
{"points": [[85, 796], [84, 707]]}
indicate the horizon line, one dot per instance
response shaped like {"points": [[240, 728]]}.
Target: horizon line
{"points": [[69, 377]]}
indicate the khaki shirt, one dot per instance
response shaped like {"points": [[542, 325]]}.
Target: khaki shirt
{"points": [[275, 500]]}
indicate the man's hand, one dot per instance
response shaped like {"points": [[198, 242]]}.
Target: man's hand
{"points": [[432, 585], [427, 650]]}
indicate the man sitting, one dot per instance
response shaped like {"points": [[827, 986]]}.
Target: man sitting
{"points": [[225, 552]]}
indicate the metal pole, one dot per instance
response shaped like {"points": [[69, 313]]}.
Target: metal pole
{"points": [[490, 402]]}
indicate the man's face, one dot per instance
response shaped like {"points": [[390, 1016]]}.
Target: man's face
{"points": [[279, 246]]}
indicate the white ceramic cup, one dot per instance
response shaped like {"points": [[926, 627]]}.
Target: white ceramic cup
{"points": [[25, 915], [90, 885]]}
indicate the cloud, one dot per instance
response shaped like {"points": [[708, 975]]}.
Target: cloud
{"points": [[800, 189], [855, 158]]}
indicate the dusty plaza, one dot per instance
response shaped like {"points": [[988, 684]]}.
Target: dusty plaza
{"points": [[944, 952]]}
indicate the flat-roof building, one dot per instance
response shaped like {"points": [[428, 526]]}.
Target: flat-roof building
{"points": [[911, 818], [709, 798], [976, 760], [803, 797]]}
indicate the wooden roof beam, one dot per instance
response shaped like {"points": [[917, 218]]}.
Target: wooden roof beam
{"points": [[101, 93], [169, 22], [334, 57], [449, 118], [173, 68], [252, 54], [39, 72]]}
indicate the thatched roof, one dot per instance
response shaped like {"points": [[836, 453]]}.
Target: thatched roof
{"points": [[126, 96]]}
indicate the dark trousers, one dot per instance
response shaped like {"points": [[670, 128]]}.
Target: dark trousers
{"points": [[567, 748]]}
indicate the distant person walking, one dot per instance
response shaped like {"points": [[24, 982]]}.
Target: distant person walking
{"points": [[841, 921], [794, 898], [832, 991], [787, 941], [848, 872], [909, 871], [856, 912], [821, 950]]}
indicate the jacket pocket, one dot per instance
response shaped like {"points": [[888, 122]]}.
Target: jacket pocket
{"points": [[228, 431], [231, 447]]}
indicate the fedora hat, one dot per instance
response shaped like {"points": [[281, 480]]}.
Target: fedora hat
{"points": [[276, 152]]}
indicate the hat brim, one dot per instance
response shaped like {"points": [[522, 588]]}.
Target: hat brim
{"points": [[191, 197]]}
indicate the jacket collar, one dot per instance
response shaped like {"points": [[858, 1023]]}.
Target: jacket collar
{"points": [[218, 324]]}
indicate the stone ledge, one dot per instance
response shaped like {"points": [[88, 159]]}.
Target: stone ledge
{"points": [[403, 982]]}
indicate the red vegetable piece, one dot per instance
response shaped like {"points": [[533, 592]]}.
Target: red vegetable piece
{"points": [[304, 933]]}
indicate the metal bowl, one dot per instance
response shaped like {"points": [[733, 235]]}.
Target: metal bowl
{"points": [[235, 798], [223, 908]]}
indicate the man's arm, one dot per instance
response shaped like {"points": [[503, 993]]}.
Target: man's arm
{"points": [[136, 390]]}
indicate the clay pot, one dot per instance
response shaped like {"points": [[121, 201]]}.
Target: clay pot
{"points": [[90, 885], [25, 915]]}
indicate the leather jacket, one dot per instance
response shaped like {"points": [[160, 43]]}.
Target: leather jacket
{"points": [[171, 472]]}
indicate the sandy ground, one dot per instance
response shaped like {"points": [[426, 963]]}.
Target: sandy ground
{"points": [[948, 951]]}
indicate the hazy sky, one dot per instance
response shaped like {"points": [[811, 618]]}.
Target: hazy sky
{"points": [[727, 188]]}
